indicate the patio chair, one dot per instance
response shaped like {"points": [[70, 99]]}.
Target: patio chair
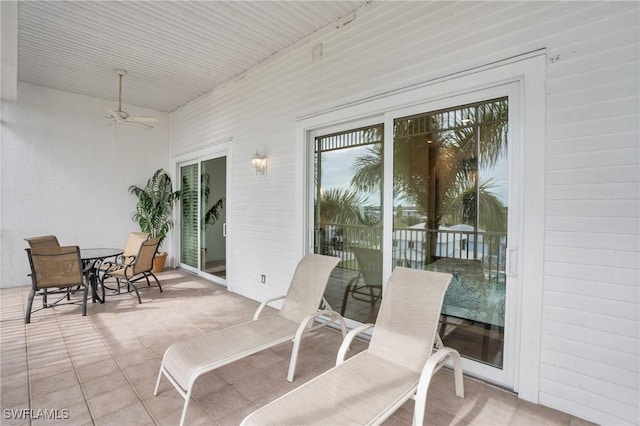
{"points": [[138, 269], [367, 285], [185, 361], [55, 271], [132, 246], [43, 241], [404, 352], [129, 253]]}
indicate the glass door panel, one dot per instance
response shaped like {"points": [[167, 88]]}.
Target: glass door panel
{"points": [[347, 218], [450, 215], [213, 181], [189, 220], [203, 217]]}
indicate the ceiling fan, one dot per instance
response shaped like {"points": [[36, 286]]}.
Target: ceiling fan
{"points": [[120, 116]]}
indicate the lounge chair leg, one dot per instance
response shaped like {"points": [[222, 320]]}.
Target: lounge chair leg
{"points": [[294, 358], [457, 373], [184, 409], [155, 391], [296, 347]]}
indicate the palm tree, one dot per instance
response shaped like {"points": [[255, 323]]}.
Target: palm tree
{"points": [[154, 210]]}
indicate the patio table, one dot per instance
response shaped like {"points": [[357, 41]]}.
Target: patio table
{"points": [[92, 259]]}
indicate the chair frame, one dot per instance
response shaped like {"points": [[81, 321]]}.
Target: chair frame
{"points": [[305, 325], [65, 289], [129, 253], [417, 390], [130, 273]]}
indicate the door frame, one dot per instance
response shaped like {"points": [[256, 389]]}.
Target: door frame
{"points": [[526, 73], [217, 149]]}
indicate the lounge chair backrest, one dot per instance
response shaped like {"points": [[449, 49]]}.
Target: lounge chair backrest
{"points": [[408, 318], [133, 243], [307, 286]]}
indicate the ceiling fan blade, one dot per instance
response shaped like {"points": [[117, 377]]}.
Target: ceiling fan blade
{"points": [[139, 123], [143, 119]]}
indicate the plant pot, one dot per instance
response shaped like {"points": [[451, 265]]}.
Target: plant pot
{"points": [[158, 262]]}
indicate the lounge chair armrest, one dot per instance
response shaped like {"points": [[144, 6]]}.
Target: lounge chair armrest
{"points": [[264, 304], [433, 364], [307, 325], [346, 343]]}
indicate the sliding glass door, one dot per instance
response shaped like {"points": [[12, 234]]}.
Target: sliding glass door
{"points": [[446, 185], [203, 217], [450, 215]]}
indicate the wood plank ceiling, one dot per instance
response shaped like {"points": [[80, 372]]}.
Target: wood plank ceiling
{"points": [[173, 51]]}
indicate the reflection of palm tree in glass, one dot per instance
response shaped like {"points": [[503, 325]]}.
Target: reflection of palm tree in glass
{"points": [[461, 202], [345, 207], [436, 161], [342, 218]]}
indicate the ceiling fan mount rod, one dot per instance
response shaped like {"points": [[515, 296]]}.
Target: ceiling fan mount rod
{"points": [[120, 73]]}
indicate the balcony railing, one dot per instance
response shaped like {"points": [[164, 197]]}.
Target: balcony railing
{"points": [[417, 248]]}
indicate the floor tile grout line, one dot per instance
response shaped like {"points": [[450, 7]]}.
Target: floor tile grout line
{"points": [[147, 409], [121, 369], [26, 354], [200, 404], [73, 363]]}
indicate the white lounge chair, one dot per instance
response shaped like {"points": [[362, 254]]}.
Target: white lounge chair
{"points": [[404, 352], [185, 361]]}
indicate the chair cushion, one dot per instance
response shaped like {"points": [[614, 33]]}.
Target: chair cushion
{"points": [[356, 392]]}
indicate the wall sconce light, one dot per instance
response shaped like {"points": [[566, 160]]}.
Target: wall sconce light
{"points": [[259, 162]]}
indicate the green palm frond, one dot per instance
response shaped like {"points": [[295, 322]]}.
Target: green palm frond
{"points": [[154, 210]]}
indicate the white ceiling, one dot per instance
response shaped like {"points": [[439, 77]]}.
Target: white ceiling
{"points": [[173, 51]]}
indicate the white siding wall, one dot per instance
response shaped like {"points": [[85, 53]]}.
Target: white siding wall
{"points": [[590, 332], [589, 343]]}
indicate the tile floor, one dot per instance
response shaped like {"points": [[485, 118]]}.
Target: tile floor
{"points": [[101, 369]]}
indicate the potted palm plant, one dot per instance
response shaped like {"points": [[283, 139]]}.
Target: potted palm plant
{"points": [[154, 210]]}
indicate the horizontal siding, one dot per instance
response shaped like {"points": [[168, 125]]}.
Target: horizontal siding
{"points": [[611, 411], [594, 225], [609, 342], [603, 274], [591, 272], [608, 411], [590, 334], [620, 292]]}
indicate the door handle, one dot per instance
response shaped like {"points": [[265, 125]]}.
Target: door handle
{"points": [[224, 229]]}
